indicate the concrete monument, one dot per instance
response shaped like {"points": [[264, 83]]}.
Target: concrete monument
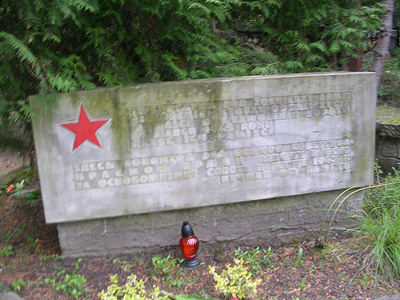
{"points": [[129, 154]]}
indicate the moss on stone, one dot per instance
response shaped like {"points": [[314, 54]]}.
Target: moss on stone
{"points": [[105, 103], [386, 114]]}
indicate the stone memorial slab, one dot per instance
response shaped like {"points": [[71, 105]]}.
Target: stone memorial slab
{"points": [[174, 145]]}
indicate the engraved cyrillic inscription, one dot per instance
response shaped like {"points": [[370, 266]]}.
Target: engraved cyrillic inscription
{"points": [[226, 166], [192, 124], [307, 106], [244, 119]]}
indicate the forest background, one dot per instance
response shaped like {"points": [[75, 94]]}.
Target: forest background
{"points": [[52, 47]]}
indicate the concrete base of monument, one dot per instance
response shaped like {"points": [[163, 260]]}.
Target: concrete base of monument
{"points": [[275, 219]]}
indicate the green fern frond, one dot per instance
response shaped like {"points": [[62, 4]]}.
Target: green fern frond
{"points": [[23, 52]]}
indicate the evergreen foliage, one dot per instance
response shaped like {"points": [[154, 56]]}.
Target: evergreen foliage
{"points": [[48, 47], [311, 36], [389, 89]]}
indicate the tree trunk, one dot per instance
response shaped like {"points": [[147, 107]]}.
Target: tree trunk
{"points": [[381, 50], [354, 63]]}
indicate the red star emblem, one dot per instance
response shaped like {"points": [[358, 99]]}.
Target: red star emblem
{"points": [[85, 130]]}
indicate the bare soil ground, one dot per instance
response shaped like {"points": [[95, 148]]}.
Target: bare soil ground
{"points": [[11, 160], [329, 273]]}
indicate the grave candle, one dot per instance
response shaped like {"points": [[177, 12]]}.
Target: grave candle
{"points": [[189, 245]]}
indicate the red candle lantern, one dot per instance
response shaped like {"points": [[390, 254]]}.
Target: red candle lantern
{"points": [[189, 245]]}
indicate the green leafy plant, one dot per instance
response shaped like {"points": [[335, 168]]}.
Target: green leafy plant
{"points": [[44, 257], [379, 231], [376, 238], [26, 174], [16, 233], [133, 289], [124, 264], [299, 257], [164, 266], [32, 243], [189, 297], [235, 280], [70, 284], [25, 196], [18, 284], [255, 258], [7, 251]]}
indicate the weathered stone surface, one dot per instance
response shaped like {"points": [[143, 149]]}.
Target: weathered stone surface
{"points": [[391, 130], [9, 296], [180, 145], [387, 149], [273, 219]]}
